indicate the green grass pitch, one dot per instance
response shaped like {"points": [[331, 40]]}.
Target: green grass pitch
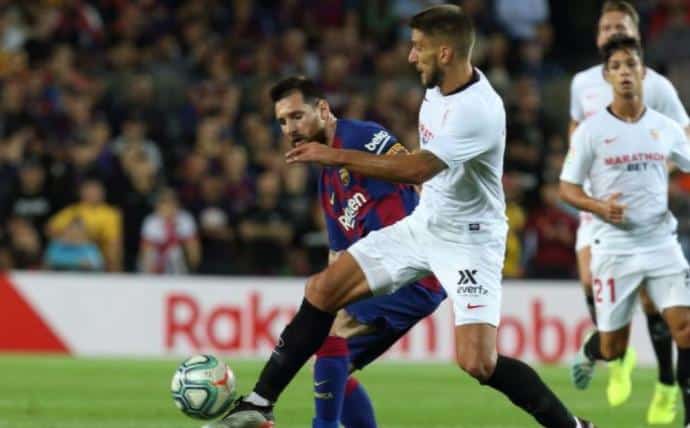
{"points": [[58, 392]]}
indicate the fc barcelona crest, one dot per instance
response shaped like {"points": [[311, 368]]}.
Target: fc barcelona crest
{"points": [[344, 176]]}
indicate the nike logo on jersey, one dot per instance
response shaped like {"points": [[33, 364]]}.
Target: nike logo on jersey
{"points": [[323, 395], [332, 198], [471, 306], [319, 383]]}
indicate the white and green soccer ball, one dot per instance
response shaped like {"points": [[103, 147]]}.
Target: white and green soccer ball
{"points": [[203, 387]]}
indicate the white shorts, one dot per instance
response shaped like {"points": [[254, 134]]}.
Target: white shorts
{"points": [[468, 267], [617, 277], [585, 232]]}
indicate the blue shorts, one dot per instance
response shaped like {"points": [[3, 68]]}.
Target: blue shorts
{"points": [[392, 315]]}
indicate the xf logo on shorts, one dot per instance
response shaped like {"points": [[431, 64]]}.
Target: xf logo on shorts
{"points": [[467, 276], [467, 285]]}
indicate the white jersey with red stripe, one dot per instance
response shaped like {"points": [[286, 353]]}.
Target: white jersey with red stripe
{"points": [[166, 237]]}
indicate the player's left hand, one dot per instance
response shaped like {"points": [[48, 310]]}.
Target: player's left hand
{"points": [[312, 152]]}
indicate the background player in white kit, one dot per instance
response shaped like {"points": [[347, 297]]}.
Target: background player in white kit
{"points": [[591, 93], [458, 230], [623, 151]]}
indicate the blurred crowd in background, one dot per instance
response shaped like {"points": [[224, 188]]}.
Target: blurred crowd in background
{"points": [[139, 135]]}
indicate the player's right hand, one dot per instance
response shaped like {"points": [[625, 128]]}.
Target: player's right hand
{"points": [[612, 211]]}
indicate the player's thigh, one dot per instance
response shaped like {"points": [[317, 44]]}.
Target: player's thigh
{"points": [[615, 283], [390, 316], [583, 245], [347, 326], [340, 283], [471, 274], [667, 281], [584, 260], [647, 303], [391, 257], [475, 349]]}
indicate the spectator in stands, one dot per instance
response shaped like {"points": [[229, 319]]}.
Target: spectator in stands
{"points": [[31, 199], [517, 217], [521, 17], [216, 221], [134, 135], [72, 250], [103, 222], [240, 186], [265, 230], [169, 243], [135, 194], [24, 244], [551, 232]]}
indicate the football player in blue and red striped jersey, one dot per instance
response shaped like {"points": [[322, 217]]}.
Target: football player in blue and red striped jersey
{"points": [[353, 206]]}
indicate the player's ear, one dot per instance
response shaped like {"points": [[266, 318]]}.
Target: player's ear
{"points": [[324, 109], [445, 54], [607, 75]]}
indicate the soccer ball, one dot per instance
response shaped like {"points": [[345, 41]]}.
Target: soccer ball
{"points": [[203, 387]]}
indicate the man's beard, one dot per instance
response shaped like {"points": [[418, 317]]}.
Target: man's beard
{"points": [[434, 79], [318, 137]]}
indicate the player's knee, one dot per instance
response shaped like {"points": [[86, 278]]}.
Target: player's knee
{"points": [[317, 294], [477, 366], [613, 349], [682, 334], [647, 304]]}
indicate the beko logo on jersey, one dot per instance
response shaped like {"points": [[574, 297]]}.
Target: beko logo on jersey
{"points": [[352, 207], [378, 142]]}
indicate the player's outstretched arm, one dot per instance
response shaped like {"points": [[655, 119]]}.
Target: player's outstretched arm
{"points": [[608, 209], [412, 168]]}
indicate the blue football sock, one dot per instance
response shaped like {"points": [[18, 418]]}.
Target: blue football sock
{"points": [[357, 409], [330, 376]]}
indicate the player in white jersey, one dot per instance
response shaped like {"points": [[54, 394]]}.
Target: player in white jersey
{"points": [[591, 93], [623, 151], [457, 232]]}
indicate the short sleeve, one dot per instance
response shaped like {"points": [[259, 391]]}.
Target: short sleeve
{"points": [[576, 111], [149, 231], [580, 157], [112, 226], [462, 143], [62, 219], [379, 140], [186, 227], [680, 148], [668, 103]]}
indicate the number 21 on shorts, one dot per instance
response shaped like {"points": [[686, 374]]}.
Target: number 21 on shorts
{"points": [[598, 286]]}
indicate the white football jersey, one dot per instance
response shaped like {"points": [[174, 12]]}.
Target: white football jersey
{"points": [[167, 237], [466, 130], [629, 158], [590, 93]]}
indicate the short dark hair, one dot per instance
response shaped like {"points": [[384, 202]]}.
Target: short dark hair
{"points": [[620, 42], [305, 86], [621, 6], [447, 21]]}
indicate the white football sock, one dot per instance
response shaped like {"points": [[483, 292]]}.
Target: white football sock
{"points": [[256, 399]]}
